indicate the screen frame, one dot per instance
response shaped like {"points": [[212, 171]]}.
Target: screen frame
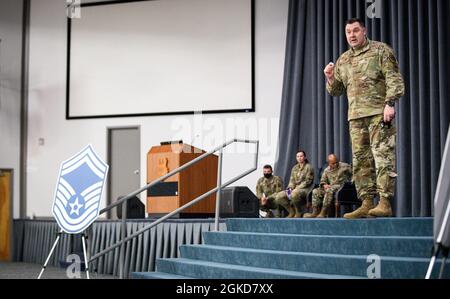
{"points": [[246, 110]]}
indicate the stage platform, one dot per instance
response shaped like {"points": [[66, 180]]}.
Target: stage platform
{"points": [[247, 248], [331, 248]]}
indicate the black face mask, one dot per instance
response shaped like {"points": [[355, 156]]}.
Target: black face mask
{"points": [[267, 175]]}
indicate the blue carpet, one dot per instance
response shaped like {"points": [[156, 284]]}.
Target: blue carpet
{"points": [[336, 226], [381, 245], [306, 248]]}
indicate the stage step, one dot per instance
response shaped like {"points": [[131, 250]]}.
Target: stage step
{"points": [[382, 245], [307, 248], [213, 270], [320, 263], [335, 226]]}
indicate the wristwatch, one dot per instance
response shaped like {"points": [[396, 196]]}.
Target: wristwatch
{"points": [[390, 103]]}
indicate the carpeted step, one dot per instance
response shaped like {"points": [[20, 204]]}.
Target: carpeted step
{"points": [[330, 264], [335, 226], [213, 270], [416, 246], [156, 275]]}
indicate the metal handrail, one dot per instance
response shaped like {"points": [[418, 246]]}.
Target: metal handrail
{"points": [[217, 189]]}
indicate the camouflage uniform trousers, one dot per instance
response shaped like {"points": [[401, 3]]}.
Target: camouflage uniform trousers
{"points": [[298, 198], [322, 197], [270, 204], [374, 163]]}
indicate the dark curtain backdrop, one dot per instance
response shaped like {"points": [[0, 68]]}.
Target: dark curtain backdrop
{"points": [[419, 33]]}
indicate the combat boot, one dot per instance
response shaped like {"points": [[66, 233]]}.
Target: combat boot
{"points": [[323, 213], [383, 209], [291, 211], [362, 211], [314, 214], [298, 210], [298, 215]]}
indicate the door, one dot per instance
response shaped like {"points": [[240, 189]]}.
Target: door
{"points": [[5, 214], [124, 161]]}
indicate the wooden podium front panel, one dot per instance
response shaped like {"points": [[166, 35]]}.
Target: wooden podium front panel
{"points": [[192, 182], [197, 180], [160, 162]]}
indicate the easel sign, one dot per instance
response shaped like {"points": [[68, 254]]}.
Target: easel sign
{"points": [[78, 192], [441, 220]]}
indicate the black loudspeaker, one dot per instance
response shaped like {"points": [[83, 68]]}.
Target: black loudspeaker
{"points": [[135, 208], [238, 202]]}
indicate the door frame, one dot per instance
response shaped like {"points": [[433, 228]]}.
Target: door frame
{"points": [[11, 210], [109, 130]]}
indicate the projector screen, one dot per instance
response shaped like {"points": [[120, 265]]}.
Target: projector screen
{"points": [[136, 58]]}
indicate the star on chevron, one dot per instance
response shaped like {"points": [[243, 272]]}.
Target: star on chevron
{"points": [[76, 206]]}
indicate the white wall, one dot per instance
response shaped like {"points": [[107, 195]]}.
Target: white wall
{"points": [[11, 12], [62, 138]]}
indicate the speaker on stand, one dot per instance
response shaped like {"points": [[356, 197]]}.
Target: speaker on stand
{"points": [[238, 202], [135, 208]]}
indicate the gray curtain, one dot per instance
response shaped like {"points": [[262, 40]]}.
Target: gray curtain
{"points": [[419, 33]]}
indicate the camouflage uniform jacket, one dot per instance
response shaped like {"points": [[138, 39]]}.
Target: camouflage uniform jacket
{"points": [[268, 186], [301, 176], [370, 76], [337, 176]]}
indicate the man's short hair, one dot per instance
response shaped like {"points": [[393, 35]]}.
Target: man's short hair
{"points": [[268, 166], [333, 155], [354, 20]]}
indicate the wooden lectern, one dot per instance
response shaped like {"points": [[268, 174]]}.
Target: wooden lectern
{"points": [[184, 186]]}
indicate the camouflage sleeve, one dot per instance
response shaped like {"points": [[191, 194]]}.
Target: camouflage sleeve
{"points": [[345, 176], [259, 189], [278, 185], [324, 179], [395, 86], [348, 174], [335, 188], [309, 178], [292, 179], [337, 88]]}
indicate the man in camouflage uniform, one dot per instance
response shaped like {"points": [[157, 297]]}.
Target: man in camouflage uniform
{"points": [[333, 177], [369, 74], [266, 188], [302, 176]]}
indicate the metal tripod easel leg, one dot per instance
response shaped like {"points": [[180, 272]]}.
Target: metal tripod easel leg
{"points": [[86, 264], [436, 250], [444, 261], [83, 240], [50, 254]]}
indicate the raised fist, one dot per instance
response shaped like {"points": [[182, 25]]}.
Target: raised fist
{"points": [[329, 71]]}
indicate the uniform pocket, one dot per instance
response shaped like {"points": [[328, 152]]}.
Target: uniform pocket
{"points": [[371, 67]]}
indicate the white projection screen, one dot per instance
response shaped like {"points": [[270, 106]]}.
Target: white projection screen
{"points": [[136, 58]]}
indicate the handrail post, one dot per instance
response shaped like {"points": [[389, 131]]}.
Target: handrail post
{"points": [[219, 190], [124, 235]]}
